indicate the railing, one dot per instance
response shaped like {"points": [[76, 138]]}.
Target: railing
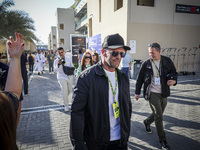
{"points": [[77, 7], [77, 23]]}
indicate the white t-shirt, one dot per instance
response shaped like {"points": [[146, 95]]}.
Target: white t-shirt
{"points": [[155, 88], [114, 123]]}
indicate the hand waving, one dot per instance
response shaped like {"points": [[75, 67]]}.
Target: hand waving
{"points": [[16, 47]]}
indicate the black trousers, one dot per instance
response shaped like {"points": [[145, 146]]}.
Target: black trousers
{"points": [[31, 64], [112, 145], [50, 66], [25, 81]]}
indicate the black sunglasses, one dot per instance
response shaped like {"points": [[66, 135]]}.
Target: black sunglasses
{"points": [[115, 53], [87, 57]]}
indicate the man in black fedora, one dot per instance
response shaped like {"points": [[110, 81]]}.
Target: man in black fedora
{"points": [[101, 108]]}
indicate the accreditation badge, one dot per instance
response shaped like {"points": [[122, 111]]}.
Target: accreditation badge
{"points": [[157, 81], [116, 109]]}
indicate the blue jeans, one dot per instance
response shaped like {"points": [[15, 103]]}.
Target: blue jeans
{"points": [[125, 70]]}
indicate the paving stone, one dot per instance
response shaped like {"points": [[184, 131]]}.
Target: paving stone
{"points": [[49, 129]]}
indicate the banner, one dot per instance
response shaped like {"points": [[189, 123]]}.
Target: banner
{"points": [[94, 43]]}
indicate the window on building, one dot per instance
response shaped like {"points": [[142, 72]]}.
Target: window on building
{"points": [[54, 45], [99, 10], [62, 41], [54, 37], [62, 26], [118, 4], [145, 3]]}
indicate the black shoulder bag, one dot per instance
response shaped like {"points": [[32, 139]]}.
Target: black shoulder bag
{"points": [[68, 70]]}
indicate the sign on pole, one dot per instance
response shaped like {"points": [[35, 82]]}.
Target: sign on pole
{"points": [[77, 42], [133, 46]]}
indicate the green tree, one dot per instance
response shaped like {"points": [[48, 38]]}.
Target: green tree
{"points": [[12, 21]]}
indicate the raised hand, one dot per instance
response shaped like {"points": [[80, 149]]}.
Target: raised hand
{"points": [[15, 48]]}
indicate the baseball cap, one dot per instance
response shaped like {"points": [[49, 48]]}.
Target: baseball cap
{"points": [[155, 45], [114, 41]]}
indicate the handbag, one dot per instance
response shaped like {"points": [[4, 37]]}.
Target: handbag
{"points": [[68, 70]]}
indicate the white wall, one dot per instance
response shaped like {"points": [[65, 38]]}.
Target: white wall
{"points": [[66, 17], [49, 41], [53, 41], [163, 25], [111, 21]]}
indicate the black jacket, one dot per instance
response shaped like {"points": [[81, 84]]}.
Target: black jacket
{"points": [[90, 111], [168, 71]]}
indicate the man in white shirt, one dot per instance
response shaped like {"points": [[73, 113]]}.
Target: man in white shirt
{"points": [[126, 64], [64, 80], [40, 59]]}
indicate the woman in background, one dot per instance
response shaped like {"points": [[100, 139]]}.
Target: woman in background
{"points": [[86, 62], [95, 58]]}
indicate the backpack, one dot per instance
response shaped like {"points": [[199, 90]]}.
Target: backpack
{"points": [[30, 58]]}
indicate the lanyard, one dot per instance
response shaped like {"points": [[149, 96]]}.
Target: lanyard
{"points": [[114, 92], [157, 70]]}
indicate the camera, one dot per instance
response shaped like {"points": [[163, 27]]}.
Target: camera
{"points": [[62, 60]]}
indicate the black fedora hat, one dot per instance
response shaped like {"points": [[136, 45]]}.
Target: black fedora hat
{"points": [[114, 41]]}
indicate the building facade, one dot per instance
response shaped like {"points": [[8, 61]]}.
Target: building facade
{"points": [[65, 27], [149, 21], [53, 38], [49, 42]]}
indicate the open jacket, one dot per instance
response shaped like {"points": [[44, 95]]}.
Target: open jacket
{"points": [[146, 73], [90, 111]]}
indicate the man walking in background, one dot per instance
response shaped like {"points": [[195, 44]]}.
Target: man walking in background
{"points": [[126, 64], [64, 80], [157, 74], [24, 73], [31, 60], [40, 59], [50, 58]]}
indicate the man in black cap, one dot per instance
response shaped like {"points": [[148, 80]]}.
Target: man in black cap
{"points": [[101, 108], [157, 74]]}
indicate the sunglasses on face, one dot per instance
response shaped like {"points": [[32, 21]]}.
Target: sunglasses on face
{"points": [[87, 57], [115, 53]]}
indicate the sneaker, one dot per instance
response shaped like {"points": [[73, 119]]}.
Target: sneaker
{"points": [[164, 145], [66, 109], [147, 127]]}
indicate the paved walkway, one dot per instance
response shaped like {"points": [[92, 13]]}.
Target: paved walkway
{"points": [[44, 124]]}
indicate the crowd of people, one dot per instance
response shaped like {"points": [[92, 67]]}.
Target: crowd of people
{"points": [[100, 117]]}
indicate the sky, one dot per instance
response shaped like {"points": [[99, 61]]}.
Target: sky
{"points": [[43, 13]]}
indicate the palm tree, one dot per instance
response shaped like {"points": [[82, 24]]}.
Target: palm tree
{"points": [[12, 21]]}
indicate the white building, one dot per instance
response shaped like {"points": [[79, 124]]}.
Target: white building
{"points": [[49, 41], [65, 26], [147, 21], [53, 38], [81, 21]]}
